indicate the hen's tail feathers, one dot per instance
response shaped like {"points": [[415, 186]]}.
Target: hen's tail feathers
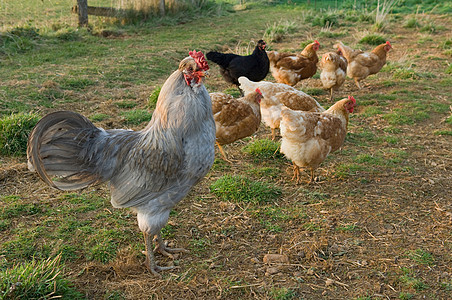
{"points": [[56, 148], [220, 59]]}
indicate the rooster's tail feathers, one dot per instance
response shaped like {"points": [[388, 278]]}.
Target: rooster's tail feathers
{"points": [[56, 148]]}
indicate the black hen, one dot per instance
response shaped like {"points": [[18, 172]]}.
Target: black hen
{"points": [[254, 67]]}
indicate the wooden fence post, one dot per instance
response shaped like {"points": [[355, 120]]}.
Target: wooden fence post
{"points": [[162, 7], [82, 13]]}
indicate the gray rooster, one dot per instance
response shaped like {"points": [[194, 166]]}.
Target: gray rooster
{"points": [[150, 170]]}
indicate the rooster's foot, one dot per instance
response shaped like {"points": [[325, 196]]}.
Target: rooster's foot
{"points": [[163, 248]]}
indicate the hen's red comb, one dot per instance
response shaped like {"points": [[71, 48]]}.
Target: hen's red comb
{"points": [[317, 42], [351, 98], [258, 91], [199, 59], [388, 43]]}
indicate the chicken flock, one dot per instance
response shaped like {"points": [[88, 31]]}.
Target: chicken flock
{"points": [[151, 170]]}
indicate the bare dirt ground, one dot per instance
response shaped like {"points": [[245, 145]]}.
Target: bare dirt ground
{"points": [[377, 232]]}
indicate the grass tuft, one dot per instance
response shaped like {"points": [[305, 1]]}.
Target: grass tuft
{"points": [[277, 31], [136, 117], [373, 39], [37, 280], [263, 149], [14, 131], [241, 189]]}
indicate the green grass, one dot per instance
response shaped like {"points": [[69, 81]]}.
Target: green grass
{"points": [[153, 97], [136, 117], [242, 189], [263, 149], [37, 279], [126, 104], [14, 131], [99, 117]]}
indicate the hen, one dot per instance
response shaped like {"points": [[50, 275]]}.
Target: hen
{"points": [[362, 64], [235, 118], [291, 68], [255, 66], [150, 170], [334, 68], [277, 95], [307, 138]]}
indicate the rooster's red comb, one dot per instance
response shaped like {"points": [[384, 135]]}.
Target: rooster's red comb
{"points": [[258, 91], [199, 59], [351, 98]]}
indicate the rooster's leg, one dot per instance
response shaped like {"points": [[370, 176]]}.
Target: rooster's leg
{"points": [[163, 249], [150, 259], [222, 152]]}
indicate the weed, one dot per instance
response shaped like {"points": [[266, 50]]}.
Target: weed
{"points": [[328, 18], [263, 149], [37, 279], [405, 296], [421, 257], [412, 23], [325, 33], [383, 9], [18, 40], [265, 172], [25, 246], [371, 111], [443, 132], [410, 281], [199, 245], [277, 31], [315, 91], [349, 169], [242, 189], [283, 293], [349, 227], [136, 117], [448, 69], [14, 131], [153, 97], [430, 28], [76, 83], [19, 209], [373, 39]]}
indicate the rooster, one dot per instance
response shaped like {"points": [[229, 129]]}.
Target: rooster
{"points": [[277, 95], [362, 64], [307, 138], [334, 68], [255, 66], [150, 170], [291, 68], [235, 118]]}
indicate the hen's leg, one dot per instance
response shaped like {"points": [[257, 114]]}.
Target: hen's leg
{"points": [[222, 152], [150, 259], [296, 173], [163, 249], [331, 94], [312, 177], [273, 134], [357, 83]]}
